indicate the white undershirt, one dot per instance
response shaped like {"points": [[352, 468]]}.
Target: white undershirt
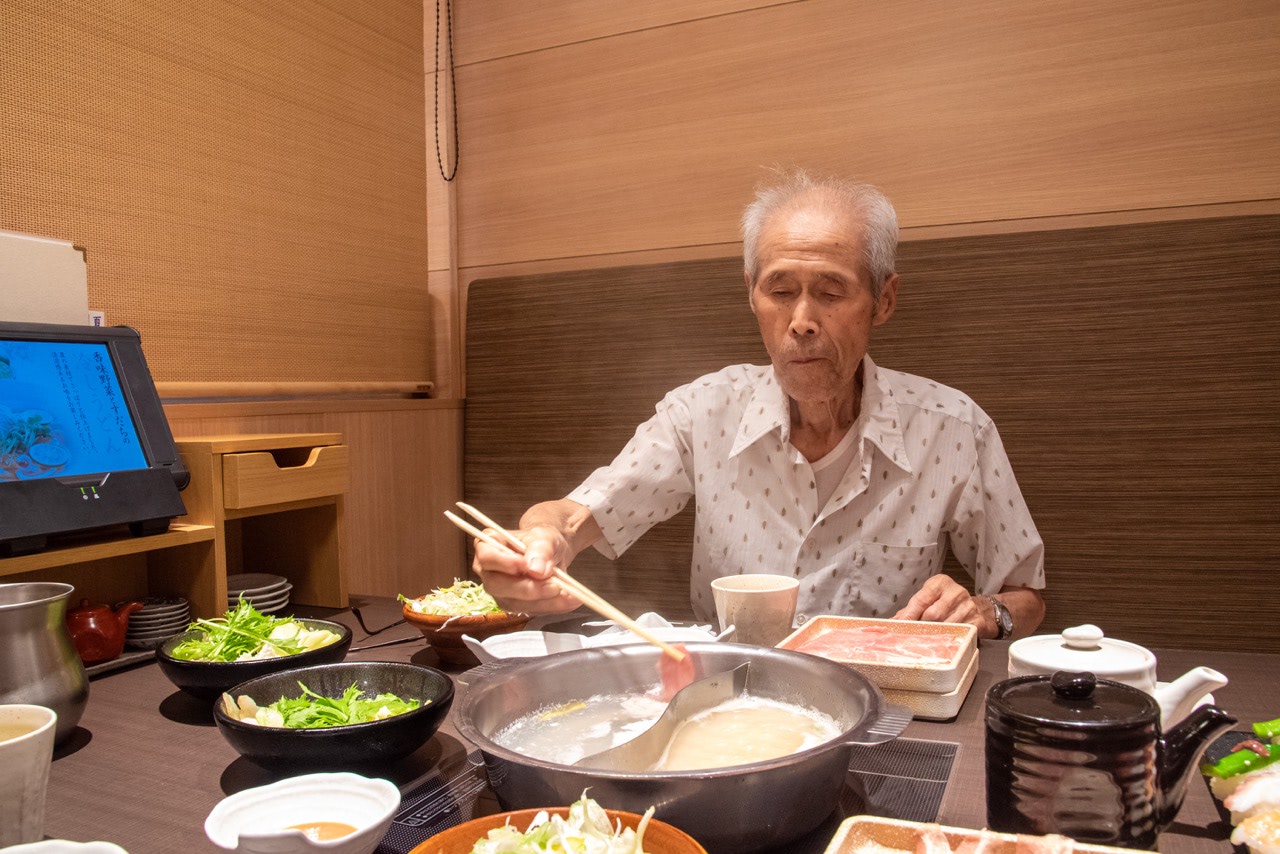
{"points": [[828, 471]]}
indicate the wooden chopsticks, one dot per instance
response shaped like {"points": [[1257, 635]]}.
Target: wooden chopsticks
{"points": [[567, 583]]}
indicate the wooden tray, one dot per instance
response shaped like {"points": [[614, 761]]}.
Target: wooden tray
{"points": [[932, 706]]}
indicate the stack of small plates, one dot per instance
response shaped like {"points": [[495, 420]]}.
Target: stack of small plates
{"points": [[268, 593], [160, 619]]}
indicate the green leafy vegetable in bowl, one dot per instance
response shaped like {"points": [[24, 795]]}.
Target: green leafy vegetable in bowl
{"points": [[586, 829], [315, 711], [246, 634], [460, 599]]}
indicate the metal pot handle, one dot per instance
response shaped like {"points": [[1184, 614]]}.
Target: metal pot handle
{"points": [[893, 719]]}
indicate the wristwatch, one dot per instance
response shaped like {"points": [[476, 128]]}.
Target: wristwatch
{"points": [[1004, 619]]}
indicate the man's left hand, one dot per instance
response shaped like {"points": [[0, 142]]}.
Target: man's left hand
{"points": [[943, 600]]}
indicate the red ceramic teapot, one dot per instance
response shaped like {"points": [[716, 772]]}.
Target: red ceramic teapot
{"points": [[97, 631]]}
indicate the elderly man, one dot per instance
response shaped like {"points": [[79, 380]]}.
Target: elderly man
{"points": [[822, 465]]}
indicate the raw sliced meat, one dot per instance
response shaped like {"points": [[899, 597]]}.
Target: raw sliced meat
{"points": [[883, 645]]}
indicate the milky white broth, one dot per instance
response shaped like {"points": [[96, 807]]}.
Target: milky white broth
{"points": [[746, 729], [743, 730]]}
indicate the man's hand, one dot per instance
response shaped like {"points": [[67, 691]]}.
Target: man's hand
{"points": [[553, 534], [942, 600]]}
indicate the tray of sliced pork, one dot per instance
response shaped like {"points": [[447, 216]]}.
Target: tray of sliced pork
{"points": [[937, 705], [895, 654], [864, 834]]}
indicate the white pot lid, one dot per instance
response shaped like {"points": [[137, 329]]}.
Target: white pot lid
{"points": [[1084, 648]]}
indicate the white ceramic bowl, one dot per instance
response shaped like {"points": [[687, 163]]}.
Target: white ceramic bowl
{"points": [[254, 821]]}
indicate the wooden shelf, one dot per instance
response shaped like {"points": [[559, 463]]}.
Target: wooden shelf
{"points": [[99, 548]]}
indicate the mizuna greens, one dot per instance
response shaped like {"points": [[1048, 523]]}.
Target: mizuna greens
{"points": [[316, 711], [245, 633]]}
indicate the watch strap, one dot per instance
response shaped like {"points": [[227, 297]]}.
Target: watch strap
{"points": [[1004, 618]]}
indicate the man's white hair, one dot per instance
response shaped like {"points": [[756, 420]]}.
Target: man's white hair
{"points": [[864, 203]]}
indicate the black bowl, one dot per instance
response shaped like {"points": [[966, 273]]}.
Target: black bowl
{"points": [[343, 746], [208, 679]]}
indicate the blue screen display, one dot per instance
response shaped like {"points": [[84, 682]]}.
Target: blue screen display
{"points": [[62, 412]]}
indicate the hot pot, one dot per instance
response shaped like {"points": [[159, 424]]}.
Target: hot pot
{"points": [[743, 808]]}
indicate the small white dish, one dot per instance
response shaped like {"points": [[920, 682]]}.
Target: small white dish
{"points": [[63, 846], [254, 821]]}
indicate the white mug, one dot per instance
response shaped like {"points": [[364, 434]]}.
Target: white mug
{"points": [[26, 751], [761, 608]]}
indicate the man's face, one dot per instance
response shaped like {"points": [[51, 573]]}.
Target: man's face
{"points": [[812, 299]]}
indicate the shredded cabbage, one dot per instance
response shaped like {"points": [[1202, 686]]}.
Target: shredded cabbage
{"points": [[460, 599], [586, 830]]}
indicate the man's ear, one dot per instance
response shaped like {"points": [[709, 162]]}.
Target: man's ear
{"points": [[888, 301], [751, 291]]}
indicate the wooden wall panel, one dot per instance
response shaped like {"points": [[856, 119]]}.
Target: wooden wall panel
{"points": [[652, 138], [498, 28], [247, 178], [405, 471]]}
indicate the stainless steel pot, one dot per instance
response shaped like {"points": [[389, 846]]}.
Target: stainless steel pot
{"points": [[739, 809], [38, 663]]}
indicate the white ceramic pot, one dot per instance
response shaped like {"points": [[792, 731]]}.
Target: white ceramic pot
{"points": [[1086, 648]]}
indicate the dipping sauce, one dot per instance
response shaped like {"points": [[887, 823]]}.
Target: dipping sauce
{"points": [[744, 730], [323, 831]]}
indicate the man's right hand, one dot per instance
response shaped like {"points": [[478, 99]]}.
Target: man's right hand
{"points": [[553, 533]]}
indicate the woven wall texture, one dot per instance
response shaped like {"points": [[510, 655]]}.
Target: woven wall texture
{"points": [[247, 179]]}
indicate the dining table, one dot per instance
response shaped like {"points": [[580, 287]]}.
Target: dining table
{"points": [[146, 764]]}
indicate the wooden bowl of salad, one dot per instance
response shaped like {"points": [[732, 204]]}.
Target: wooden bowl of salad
{"points": [[335, 716], [213, 655], [464, 608], [570, 827]]}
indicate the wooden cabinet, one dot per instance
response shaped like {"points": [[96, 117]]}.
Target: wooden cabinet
{"points": [[275, 504]]}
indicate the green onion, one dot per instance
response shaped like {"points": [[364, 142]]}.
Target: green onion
{"points": [[1238, 762], [1267, 729]]}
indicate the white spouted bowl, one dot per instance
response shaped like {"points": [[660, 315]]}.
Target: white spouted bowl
{"points": [[254, 821]]}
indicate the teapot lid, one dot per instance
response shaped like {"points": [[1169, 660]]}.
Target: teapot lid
{"points": [[1074, 699], [1080, 648]]}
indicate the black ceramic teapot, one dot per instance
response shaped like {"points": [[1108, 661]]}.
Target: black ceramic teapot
{"points": [[1084, 757]]}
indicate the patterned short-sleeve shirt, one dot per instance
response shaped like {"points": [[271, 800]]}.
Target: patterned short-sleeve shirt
{"points": [[929, 471]]}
